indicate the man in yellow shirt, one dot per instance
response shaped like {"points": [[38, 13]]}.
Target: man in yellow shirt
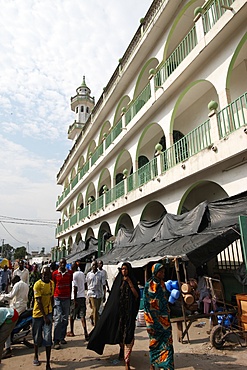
{"points": [[42, 315]]}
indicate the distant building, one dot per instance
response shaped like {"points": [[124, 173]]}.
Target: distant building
{"points": [[169, 130]]}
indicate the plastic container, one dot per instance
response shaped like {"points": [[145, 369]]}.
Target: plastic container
{"points": [[175, 293]]}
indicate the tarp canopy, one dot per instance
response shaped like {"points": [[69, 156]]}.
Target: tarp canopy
{"points": [[83, 250], [198, 235]]}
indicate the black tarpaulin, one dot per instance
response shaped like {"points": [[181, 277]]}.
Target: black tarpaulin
{"points": [[90, 247], [198, 235]]}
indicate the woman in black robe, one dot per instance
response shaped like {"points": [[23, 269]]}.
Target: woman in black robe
{"points": [[117, 322]]}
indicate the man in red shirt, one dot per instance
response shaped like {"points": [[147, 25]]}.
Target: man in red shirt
{"points": [[62, 278]]}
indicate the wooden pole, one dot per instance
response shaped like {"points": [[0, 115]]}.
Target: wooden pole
{"points": [[182, 300]]}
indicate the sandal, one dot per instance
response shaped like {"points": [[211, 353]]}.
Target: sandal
{"points": [[36, 362], [70, 334]]}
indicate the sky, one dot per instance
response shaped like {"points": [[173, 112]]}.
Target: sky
{"points": [[46, 48]]}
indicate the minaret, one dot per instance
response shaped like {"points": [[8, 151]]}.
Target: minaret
{"points": [[82, 104]]}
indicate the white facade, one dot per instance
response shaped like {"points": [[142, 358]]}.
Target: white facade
{"points": [[181, 84]]}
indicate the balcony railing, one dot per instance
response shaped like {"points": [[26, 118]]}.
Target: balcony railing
{"points": [[191, 144], [176, 58], [73, 220], [115, 132], [213, 12], [233, 116], [138, 103], [74, 181], [98, 152]]}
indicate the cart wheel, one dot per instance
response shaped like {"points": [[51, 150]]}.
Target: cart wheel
{"points": [[217, 336]]}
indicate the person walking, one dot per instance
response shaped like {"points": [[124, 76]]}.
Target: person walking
{"points": [[105, 285], [157, 318], [117, 322], [42, 316], [22, 271], [33, 277], [95, 291], [5, 275], [62, 278], [78, 301]]}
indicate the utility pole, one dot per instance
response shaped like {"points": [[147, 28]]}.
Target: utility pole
{"points": [[2, 247]]}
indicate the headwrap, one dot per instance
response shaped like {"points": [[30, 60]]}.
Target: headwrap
{"points": [[156, 267]]}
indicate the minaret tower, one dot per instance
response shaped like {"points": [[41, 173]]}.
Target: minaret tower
{"points": [[82, 104]]}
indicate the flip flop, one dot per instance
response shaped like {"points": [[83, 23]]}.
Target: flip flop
{"points": [[70, 334], [36, 362]]}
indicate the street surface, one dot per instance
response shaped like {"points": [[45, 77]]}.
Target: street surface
{"points": [[198, 355]]}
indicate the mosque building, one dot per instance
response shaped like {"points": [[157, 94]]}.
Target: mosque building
{"points": [[168, 132]]}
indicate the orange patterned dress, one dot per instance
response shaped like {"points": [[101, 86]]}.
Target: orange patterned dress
{"points": [[157, 318]]}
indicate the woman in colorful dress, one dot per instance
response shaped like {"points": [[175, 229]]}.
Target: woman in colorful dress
{"points": [[157, 318]]}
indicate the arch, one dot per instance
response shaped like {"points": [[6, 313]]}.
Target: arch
{"points": [[200, 92], [174, 25], [79, 202], [71, 209], [81, 162], [144, 76], [125, 221], [89, 234], [70, 244], [72, 174], [104, 179], [91, 149], [123, 161], [104, 233], [154, 210], [234, 58], [124, 101], [147, 145], [106, 127], [90, 191], [78, 237], [195, 194]]}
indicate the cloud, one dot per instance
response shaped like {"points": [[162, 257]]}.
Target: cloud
{"points": [[46, 47]]}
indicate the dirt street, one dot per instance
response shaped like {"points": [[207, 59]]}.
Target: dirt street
{"points": [[198, 355]]}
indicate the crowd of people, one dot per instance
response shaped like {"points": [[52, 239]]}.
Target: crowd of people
{"points": [[58, 296]]}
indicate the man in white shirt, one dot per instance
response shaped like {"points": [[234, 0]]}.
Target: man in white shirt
{"points": [[78, 300], [95, 292], [22, 272], [18, 298], [105, 284]]}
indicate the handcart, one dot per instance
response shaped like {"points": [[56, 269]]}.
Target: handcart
{"points": [[218, 328], [232, 330]]}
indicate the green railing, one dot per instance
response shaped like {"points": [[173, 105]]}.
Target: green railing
{"points": [[100, 202], [73, 220], [66, 224], [138, 103], [59, 228], [213, 12], [98, 152], [115, 132], [191, 144], [74, 181], [83, 213], [108, 196], [66, 191], [176, 58], [233, 116]]}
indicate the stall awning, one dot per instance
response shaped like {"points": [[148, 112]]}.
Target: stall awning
{"points": [[198, 235]]}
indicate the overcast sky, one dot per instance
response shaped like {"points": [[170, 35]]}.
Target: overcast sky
{"points": [[46, 47]]}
